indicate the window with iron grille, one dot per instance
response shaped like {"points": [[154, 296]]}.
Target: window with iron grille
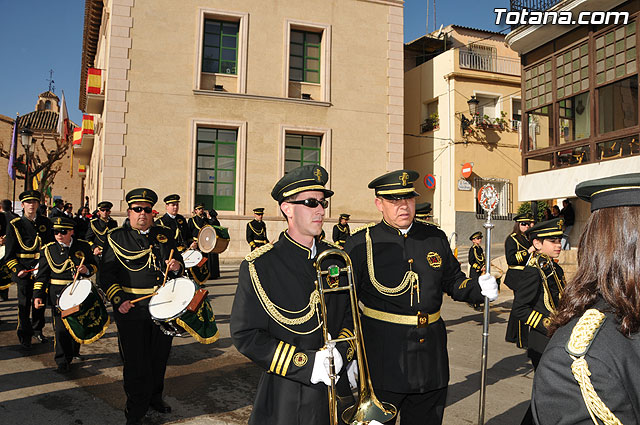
{"points": [[504, 209]]}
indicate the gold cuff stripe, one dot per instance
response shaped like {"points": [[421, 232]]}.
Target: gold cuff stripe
{"points": [[537, 320], [531, 316], [464, 284], [12, 263], [38, 285], [275, 357], [287, 360], [112, 290]]}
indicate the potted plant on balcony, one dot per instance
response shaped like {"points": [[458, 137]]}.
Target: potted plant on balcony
{"points": [[430, 123]]}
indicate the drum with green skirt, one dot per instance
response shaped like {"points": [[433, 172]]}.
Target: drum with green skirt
{"points": [[83, 312]]}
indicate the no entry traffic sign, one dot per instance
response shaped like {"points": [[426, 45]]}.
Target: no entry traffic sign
{"points": [[467, 169], [430, 181]]}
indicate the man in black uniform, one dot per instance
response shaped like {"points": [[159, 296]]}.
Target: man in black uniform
{"points": [[476, 256], [57, 267], [423, 211], [25, 236], [341, 231], [214, 259], [278, 279], [133, 265], [542, 285], [403, 267], [99, 226], [57, 209], [257, 230]]}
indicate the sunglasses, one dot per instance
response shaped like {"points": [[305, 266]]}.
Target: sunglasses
{"points": [[138, 210], [60, 231], [526, 224], [105, 209], [311, 202]]}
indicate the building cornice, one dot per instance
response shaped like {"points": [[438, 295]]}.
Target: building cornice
{"points": [[260, 97], [499, 78]]}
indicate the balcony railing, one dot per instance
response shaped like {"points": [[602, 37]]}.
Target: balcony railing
{"points": [[539, 5], [489, 63]]}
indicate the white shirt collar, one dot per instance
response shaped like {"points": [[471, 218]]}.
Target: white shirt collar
{"points": [[405, 231], [314, 250], [171, 215]]}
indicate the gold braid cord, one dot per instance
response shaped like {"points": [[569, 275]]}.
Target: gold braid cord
{"points": [[96, 231], [36, 244], [133, 255], [409, 280], [581, 337], [261, 232], [273, 310], [57, 268]]}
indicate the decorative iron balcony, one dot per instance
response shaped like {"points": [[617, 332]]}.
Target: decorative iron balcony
{"points": [[539, 5], [489, 63]]}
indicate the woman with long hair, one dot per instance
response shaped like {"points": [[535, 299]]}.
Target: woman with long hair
{"points": [[589, 371]]}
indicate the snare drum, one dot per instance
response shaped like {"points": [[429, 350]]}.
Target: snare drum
{"points": [[181, 309], [193, 258], [213, 239], [83, 312]]}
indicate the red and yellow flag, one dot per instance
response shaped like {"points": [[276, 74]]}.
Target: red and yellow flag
{"points": [[77, 136], [87, 125], [94, 81]]}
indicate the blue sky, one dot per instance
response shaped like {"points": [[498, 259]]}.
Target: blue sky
{"points": [[39, 35]]}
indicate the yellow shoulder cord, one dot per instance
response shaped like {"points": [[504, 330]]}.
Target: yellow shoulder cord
{"points": [[273, 310], [134, 255], [36, 244], [55, 267], [410, 279], [548, 299], [96, 231], [581, 337], [479, 259], [254, 230]]}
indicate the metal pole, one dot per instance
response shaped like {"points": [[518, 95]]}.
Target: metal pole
{"points": [[26, 173], [485, 325]]}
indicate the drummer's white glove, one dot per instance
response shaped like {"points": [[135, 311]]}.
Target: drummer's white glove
{"points": [[374, 422], [488, 286], [320, 371], [352, 373]]}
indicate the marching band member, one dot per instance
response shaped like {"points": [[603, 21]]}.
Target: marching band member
{"points": [[257, 230], [341, 231], [25, 237], [195, 223], [476, 256], [133, 263], [275, 320], [99, 226], [56, 269], [403, 267]]}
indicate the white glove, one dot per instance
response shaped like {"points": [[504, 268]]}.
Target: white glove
{"points": [[320, 371], [374, 422], [352, 374], [488, 286]]}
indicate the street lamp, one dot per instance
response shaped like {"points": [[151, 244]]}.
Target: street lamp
{"points": [[473, 108], [27, 140]]}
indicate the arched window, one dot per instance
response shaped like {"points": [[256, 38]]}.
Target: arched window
{"points": [[47, 105]]}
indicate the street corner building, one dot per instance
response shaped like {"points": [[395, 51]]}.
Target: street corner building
{"points": [[217, 100]]}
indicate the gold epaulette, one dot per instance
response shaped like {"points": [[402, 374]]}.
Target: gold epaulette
{"points": [[50, 243], [582, 335], [428, 223], [115, 228], [366, 226], [15, 219], [258, 252], [82, 240], [331, 244]]}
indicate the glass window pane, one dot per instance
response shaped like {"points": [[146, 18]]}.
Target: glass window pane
{"points": [[230, 27], [311, 155], [225, 189], [297, 37], [618, 105], [573, 156], [290, 165], [206, 149], [292, 154], [313, 64], [226, 163], [207, 134], [211, 53], [312, 77], [205, 162], [313, 51], [540, 128], [210, 66], [212, 40], [539, 163], [205, 189], [226, 149], [313, 37], [295, 62], [229, 41], [226, 176], [295, 74], [293, 140], [618, 148], [311, 141], [227, 136], [205, 176], [228, 67], [228, 55], [212, 26], [297, 50]]}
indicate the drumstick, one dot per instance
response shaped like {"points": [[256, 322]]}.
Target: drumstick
{"points": [[163, 282], [31, 270], [75, 278]]}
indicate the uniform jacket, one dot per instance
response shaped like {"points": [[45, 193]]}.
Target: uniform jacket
{"points": [[476, 260], [97, 232], [123, 277], [613, 362], [341, 233], [405, 358], [256, 234], [286, 352], [195, 224], [516, 248], [58, 262], [542, 285], [23, 242], [180, 228]]}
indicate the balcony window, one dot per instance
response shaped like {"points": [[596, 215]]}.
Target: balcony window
{"points": [[572, 156], [540, 127], [616, 53], [618, 148], [572, 72], [304, 56], [538, 85], [220, 47], [216, 168], [540, 163], [618, 105], [574, 120]]}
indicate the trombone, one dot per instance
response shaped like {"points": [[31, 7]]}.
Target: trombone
{"points": [[368, 407]]}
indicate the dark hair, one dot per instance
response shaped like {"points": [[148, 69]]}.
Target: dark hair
{"points": [[7, 205], [608, 267], [517, 231]]}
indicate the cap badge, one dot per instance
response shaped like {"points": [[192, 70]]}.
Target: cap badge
{"points": [[318, 174], [403, 178], [434, 260]]}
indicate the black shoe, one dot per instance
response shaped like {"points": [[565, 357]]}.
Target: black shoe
{"points": [[63, 368], [78, 358], [132, 421], [26, 343], [160, 406], [40, 337]]}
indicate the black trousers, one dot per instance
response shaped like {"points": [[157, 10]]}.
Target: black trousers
{"points": [[145, 351], [420, 408], [535, 357], [64, 344], [28, 321]]}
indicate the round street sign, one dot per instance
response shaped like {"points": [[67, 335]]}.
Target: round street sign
{"points": [[430, 181], [466, 170]]}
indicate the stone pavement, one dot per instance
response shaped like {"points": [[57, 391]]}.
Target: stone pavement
{"points": [[214, 384]]}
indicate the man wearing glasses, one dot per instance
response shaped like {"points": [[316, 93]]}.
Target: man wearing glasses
{"points": [[59, 261], [275, 319], [134, 260], [99, 226], [517, 249], [25, 236], [257, 230], [402, 268]]}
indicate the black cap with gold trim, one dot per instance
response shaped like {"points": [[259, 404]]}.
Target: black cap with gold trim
{"points": [[171, 198], [258, 211], [198, 205], [396, 184], [614, 191], [475, 235], [546, 229], [142, 194], [301, 179], [524, 218], [345, 216], [105, 204], [423, 209], [63, 223], [30, 195]]}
